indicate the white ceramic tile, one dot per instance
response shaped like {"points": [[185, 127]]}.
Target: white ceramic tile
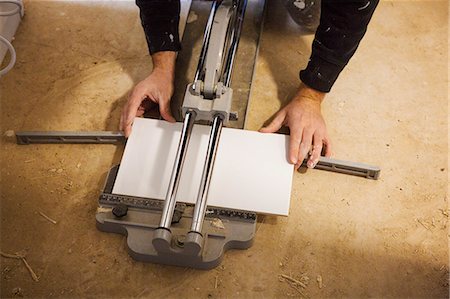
{"points": [[251, 171]]}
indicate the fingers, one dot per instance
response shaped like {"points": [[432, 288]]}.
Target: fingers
{"points": [[305, 146], [275, 124], [166, 113], [140, 112], [294, 145], [317, 150], [328, 147], [129, 113]]}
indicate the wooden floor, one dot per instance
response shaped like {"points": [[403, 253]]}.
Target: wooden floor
{"points": [[345, 236]]}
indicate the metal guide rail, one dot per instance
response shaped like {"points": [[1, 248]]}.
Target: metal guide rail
{"points": [[98, 137], [347, 167], [110, 137]]}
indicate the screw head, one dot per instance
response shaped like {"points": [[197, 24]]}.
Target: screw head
{"points": [[234, 116]]}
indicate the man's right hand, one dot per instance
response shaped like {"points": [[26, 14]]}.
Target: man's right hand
{"points": [[157, 88]]}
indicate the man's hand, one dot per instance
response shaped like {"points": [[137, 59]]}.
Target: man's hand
{"points": [[157, 88], [307, 126]]}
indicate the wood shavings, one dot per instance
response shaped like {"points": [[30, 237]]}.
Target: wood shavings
{"points": [[21, 257], [47, 218], [142, 293], [423, 224], [293, 280], [217, 223], [445, 213], [216, 282], [9, 133], [10, 256], [294, 283], [319, 281], [18, 292], [192, 17], [103, 210]]}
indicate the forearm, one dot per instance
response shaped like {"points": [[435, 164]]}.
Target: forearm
{"points": [[164, 63], [160, 19], [342, 26], [307, 93]]}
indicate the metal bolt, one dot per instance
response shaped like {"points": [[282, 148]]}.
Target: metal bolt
{"points": [[179, 240]]}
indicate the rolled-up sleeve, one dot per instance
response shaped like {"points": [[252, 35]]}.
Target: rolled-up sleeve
{"points": [[160, 19], [342, 26]]}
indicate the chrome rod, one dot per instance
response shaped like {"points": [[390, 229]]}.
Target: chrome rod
{"points": [[169, 204], [200, 205], [206, 38], [236, 35]]}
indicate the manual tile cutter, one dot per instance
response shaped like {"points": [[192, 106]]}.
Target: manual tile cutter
{"points": [[189, 239], [176, 233]]}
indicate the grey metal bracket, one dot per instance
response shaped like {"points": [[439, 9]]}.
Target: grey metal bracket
{"points": [[347, 167], [223, 229], [100, 137], [206, 109]]}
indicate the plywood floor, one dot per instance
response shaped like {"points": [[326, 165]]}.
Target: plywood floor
{"points": [[360, 238]]}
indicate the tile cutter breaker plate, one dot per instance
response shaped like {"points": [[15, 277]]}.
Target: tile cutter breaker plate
{"points": [[175, 233]]}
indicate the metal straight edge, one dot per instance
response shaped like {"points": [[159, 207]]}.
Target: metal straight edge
{"points": [[347, 167], [97, 137]]}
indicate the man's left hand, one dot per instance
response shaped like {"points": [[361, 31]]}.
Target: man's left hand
{"points": [[307, 127]]}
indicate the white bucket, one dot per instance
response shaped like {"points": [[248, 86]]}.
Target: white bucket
{"points": [[9, 24]]}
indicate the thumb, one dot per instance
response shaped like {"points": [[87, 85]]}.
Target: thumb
{"points": [[166, 113], [275, 124]]}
